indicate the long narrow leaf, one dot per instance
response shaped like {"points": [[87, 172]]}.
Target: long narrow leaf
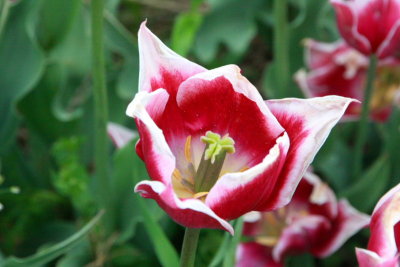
{"points": [[221, 253], [230, 257], [49, 254], [165, 252], [372, 184]]}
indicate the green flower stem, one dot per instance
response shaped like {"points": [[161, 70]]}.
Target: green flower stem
{"points": [[189, 247], [230, 257], [100, 104], [281, 47], [5, 8], [363, 123]]}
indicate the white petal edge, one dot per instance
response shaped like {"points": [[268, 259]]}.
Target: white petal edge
{"points": [[311, 112], [153, 53], [192, 204], [120, 134], [137, 109]]}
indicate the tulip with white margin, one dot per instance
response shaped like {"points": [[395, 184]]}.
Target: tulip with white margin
{"points": [[314, 222], [261, 149]]}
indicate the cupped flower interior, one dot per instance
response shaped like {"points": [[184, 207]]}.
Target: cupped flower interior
{"points": [[304, 204], [386, 87], [196, 106]]}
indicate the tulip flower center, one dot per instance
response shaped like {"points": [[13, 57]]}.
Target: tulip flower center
{"points": [[275, 222], [386, 88], [191, 183], [212, 160]]}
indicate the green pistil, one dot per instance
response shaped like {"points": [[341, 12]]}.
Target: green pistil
{"points": [[212, 160]]}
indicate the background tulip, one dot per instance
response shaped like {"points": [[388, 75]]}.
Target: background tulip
{"points": [[337, 69], [370, 26], [314, 221]]}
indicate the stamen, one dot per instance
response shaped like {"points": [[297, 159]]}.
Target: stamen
{"points": [[216, 145], [212, 160], [200, 194], [177, 175], [268, 241], [188, 152], [244, 169]]}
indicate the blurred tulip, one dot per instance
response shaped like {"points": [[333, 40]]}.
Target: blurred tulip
{"points": [[213, 148], [119, 134], [337, 69], [370, 26], [314, 221], [384, 243]]}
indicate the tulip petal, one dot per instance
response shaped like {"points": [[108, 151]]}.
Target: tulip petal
{"points": [[160, 161], [189, 212], [160, 67], [367, 258], [318, 54], [119, 134], [251, 254], [391, 45], [308, 123], [348, 222], [300, 235], [223, 101], [347, 21], [237, 193], [385, 219], [331, 80], [241, 85]]}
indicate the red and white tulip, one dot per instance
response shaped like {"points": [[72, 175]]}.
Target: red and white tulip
{"points": [[384, 244], [337, 69], [180, 104], [370, 26], [314, 221]]}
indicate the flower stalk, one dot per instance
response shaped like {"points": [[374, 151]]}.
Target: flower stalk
{"points": [[5, 8], [189, 247], [363, 123], [100, 102], [281, 48]]}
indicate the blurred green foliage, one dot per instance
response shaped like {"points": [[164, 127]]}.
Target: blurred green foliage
{"points": [[46, 125]]}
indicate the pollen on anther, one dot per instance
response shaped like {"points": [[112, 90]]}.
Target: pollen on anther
{"points": [[200, 195], [188, 154]]}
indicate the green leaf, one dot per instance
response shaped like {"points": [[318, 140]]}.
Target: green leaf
{"points": [[229, 259], [56, 18], [220, 254], [130, 207], [49, 254], [365, 192], [119, 40], [303, 260], [165, 252], [127, 170], [231, 23], [184, 32], [21, 64]]}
